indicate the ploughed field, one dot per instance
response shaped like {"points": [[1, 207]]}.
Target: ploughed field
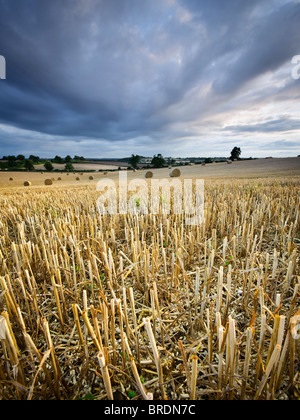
{"points": [[144, 306]]}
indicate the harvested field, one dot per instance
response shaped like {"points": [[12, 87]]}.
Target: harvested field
{"points": [[137, 307]]}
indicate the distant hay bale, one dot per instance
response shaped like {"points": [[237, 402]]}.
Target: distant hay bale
{"points": [[229, 162], [175, 173], [48, 182], [59, 178], [91, 178], [149, 174], [77, 178], [105, 173], [11, 179], [27, 184], [81, 173]]}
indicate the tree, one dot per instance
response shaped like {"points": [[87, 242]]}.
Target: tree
{"points": [[48, 166], [11, 161], [81, 158], [68, 159], [158, 161], [34, 159], [134, 160], [235, 153], [58, 159], [29, 165], [20, 157], [69, 167]]}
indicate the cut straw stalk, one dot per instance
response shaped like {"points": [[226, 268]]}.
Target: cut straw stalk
{"points": [[77, 323], [10, 345], [132, 303], [194, 359], [156, 356], [105, 374], [91, 331], [145, 395], [272, 363], [54, 362], [247, 361]]}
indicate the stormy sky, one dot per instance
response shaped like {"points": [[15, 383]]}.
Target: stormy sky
{"points": [[108, 78]]}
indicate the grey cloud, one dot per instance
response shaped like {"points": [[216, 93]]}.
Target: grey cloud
{"points": [[278, 125], [121, 70]]}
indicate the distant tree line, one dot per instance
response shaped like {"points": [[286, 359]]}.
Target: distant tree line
{"points": [[20, 162]]}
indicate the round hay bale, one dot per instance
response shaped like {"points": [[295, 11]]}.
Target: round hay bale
{"points": [[229, 162], [27, 184], [81, 173], [149, 174], [11, 179], [202, 164], [105, 173], [91, 178], [59, 178], [175, 173], [48, 182], [77, 178]]}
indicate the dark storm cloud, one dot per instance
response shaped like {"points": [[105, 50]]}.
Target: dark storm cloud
{"points": [[121, 70]]}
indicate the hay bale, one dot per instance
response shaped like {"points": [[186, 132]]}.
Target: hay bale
{"points": [[175, 173], [91, 178], [149, 174], [11, 179], [59, 178], [203, 164], [77, 178], [229, 162], [27, 184], [48, 182]]}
